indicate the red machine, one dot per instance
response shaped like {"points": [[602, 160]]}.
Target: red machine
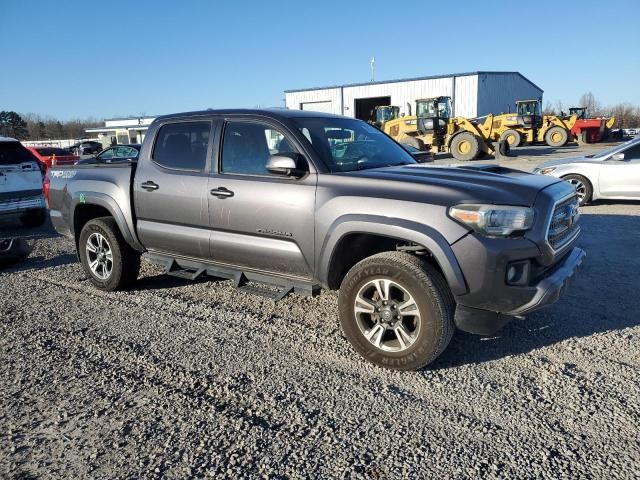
{"points": [[590, 130]]}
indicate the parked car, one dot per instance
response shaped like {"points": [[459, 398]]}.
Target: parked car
{"points": [[414, 250], [114, 154], [46, 156], [88, 147], [21, 183], [613, 173]]}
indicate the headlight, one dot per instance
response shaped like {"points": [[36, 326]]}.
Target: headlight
{"points": [[493, 220], [545, 171]]}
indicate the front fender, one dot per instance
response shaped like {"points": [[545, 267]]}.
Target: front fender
{"points": [[404, 230]]}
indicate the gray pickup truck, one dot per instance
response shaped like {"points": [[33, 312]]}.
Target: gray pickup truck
{"points": [[281, 201]]}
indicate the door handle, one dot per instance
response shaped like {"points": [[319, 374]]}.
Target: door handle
{"points": [[221, 192], [150, 186]]}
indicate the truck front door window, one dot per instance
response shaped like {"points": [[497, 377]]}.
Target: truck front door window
{"points": [[247, 146]]}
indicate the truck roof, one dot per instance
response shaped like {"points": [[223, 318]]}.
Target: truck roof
{"points": [[265, 112], [7, 139]]}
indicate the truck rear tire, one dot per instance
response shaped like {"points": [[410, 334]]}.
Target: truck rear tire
{"points": [[396, 310], [35, 218], [556, 137], [106, 257], [413, 142], [465, 146], [513, 138]]}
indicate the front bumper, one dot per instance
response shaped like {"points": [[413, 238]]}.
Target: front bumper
{"points": [[548, 290]]}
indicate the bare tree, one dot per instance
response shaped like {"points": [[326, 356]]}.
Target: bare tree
{"points": [[593, 107]]}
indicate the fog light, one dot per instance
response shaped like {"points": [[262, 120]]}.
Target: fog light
{"points": [[518, 273]]}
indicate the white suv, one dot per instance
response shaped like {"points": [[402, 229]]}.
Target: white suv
{"points": [[21, 180]]}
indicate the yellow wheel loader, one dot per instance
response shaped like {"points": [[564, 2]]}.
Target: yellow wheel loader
{"points": [[434, 129], [383, 114], [528, 125]]}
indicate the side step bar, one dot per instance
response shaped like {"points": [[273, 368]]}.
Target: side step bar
{"points": [[264, 285]]}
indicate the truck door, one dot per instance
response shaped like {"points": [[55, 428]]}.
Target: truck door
{"points": [[260, 220], [170, 188]]}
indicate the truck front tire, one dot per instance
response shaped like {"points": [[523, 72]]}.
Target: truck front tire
{"points": [[396, 310], [110, 263]]}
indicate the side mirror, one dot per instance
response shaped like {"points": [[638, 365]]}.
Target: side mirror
{"points": [[285, 165], [618, 157]]}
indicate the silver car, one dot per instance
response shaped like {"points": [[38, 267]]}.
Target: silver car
{"points": [[613, 173]]}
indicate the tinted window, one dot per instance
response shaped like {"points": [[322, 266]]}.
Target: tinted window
{"points": [[182, 145], [248, 145], [632, 153], [126, 152], [14, 152], [108, 154]]}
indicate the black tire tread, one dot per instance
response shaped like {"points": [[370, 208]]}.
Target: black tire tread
{"points": [[128, 271], [437, 289], [475, 151]]}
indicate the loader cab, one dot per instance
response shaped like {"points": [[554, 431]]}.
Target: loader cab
{"points": [[384, 113], [433, 114], [580, 112], [529, 112]]}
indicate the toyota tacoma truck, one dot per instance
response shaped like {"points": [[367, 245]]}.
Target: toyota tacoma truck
{"points": [[283, 201]]}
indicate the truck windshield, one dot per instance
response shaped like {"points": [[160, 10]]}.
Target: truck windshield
{"points": [[346, 145]]}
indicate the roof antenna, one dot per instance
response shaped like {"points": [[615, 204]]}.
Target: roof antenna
{"points": [[373, 69]]}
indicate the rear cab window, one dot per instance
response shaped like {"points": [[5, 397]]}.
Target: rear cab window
{"points": [[182, 145]]}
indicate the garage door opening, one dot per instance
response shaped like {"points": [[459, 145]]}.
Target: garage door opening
{"points": [[365, 107]]}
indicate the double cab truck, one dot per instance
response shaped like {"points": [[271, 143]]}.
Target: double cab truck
{"points": [[283, 201]]}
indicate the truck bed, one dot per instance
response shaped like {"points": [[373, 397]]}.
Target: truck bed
{"points": [[104, 185]]}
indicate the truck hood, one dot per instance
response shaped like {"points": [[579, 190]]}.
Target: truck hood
{"points": [[485, 183], [568, 161]]}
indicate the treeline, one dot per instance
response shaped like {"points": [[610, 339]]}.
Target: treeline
{"points": [[626, 114], [31, 126]]}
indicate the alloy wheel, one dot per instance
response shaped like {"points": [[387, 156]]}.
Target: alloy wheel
{"points": [[387, 315]]}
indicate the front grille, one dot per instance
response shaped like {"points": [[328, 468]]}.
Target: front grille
{"points": [[564, 225]]}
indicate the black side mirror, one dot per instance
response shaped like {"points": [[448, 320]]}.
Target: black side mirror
{"points": [[286, 164], [422, 157]]}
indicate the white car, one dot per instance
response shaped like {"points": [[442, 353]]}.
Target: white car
{"points": [[613, 173], [21, 180]]}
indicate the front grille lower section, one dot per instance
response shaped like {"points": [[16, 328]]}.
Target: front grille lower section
{"points": [[564, 225]]}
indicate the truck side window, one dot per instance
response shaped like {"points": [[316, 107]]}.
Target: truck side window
{"points": [[247, 146], [182, 146]]}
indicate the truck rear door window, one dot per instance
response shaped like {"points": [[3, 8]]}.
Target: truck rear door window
{"points": [[182, 146]]}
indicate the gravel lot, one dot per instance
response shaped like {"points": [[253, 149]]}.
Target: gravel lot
{"points": [[176, 379]]}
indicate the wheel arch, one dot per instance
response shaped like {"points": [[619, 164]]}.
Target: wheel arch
{"points": [[374, 234], [88, 206]]}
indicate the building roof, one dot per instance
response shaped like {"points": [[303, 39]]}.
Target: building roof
{"points": [[431, 77]]}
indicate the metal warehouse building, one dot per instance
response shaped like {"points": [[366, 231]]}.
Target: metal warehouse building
{"points": [[473, 94]]}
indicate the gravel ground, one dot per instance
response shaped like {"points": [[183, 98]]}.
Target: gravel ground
{"points": [[177, 379]]}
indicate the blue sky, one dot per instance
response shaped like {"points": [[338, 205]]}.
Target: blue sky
{"points": [[74, 59]]}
